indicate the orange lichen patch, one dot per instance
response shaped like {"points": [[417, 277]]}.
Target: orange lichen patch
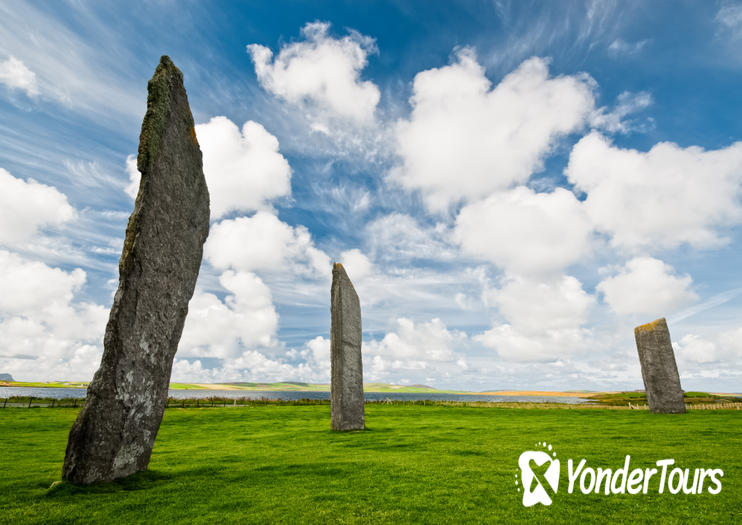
{"points": [[649, 326], [338, 266], [193, 134]]}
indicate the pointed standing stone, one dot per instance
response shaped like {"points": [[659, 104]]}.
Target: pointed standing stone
{"points": [[659, 370], [346, 389], [116, 428]]}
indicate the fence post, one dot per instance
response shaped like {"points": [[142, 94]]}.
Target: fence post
{"points": [[53, 400], [5, 403], [29, 402], [75, 405]]}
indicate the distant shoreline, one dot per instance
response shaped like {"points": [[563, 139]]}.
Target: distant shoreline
{"points": [[539, 393]]}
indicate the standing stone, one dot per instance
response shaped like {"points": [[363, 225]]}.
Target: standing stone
{"points": [[346, 388], [659, 371], [116, 428]]}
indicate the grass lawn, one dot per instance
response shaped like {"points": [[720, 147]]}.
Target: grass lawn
{"points": [[414, 464]]}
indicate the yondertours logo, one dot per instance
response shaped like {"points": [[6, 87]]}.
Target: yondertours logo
{"points": [[538, 479], [539, 475]]}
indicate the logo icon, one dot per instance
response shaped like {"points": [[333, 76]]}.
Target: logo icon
{"points": [[539, 475]]}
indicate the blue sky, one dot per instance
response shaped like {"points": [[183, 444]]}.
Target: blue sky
{"points": [[512, 186]]}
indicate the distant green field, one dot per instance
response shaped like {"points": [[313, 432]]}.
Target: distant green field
{"points": [[49, 384], [640, 398], [414, 464]]}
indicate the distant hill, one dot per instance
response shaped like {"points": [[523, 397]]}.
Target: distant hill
{"points": [[6, 377]]}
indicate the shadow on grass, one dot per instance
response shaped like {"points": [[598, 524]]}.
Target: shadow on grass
{"points": [[139, 481], [306, 469], [469, 453]]}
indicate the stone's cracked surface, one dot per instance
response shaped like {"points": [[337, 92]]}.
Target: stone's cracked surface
{"points": [[659, 370], [116, 428], [346, 388]]}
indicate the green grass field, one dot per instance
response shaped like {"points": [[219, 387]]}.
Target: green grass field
{"points": [[414, 464]]}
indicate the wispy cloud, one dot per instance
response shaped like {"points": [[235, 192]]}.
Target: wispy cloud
{"points": [[729, 19], [66, 68], [712, 302], [620, 47]]}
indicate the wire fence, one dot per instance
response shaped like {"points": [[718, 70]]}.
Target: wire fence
{"points": [[223, 402], [209, 402]]}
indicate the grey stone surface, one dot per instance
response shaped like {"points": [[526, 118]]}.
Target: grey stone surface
{"points": [[346, 387], [659, 370], [116, 428]]}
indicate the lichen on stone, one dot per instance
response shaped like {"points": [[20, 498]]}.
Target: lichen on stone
{"points": [[158, 111], [649, 326]]}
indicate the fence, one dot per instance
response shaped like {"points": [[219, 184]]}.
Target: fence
{"points": [[698, 406], [209, 402], [213, 402]]}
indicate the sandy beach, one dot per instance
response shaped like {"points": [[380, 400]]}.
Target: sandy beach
{"points": [[544, 393]]}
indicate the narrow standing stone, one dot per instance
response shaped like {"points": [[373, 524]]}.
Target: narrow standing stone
{"points": [[659, 370], [346, 388], [116, 428]]}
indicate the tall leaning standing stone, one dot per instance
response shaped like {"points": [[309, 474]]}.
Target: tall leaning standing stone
{"points": [[116, 429], [346, 388], [659, 370]]}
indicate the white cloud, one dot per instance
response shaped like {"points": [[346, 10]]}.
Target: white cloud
{"points": [[413, 346], [532, 305], [249, 366], [550, 345], [322, 72], [658, 199], [246, 319], [356, 264], [26, 206], [46, 334], [243, 170], [15, 75], [132, 171], [696, 349], [319, 349], [30, 286], [731, 343], [465, 140], [647, 286], [526, 232], [545, 319], [264, 243]]}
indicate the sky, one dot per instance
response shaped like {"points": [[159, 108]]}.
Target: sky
{"points": [[511, 186]]}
